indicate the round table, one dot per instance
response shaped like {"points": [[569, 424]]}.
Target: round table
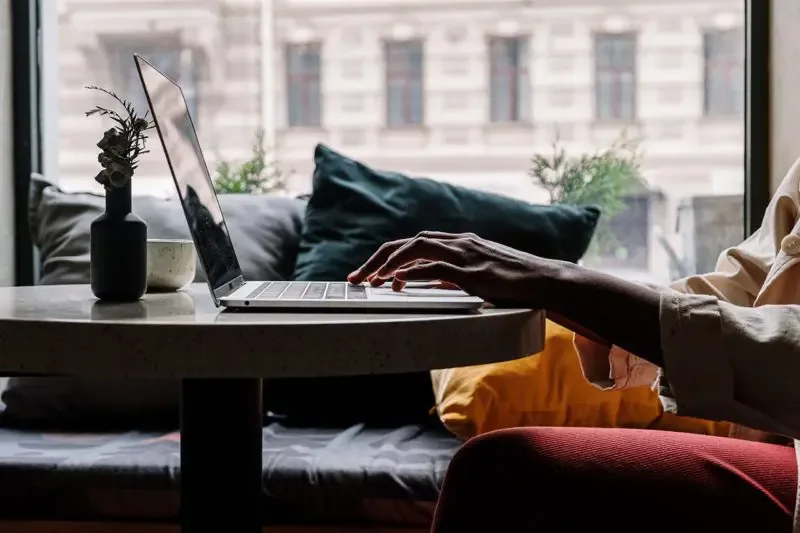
{"points": [[221, 356]]}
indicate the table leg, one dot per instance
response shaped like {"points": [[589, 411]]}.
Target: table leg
{"points": [[221, 422]]}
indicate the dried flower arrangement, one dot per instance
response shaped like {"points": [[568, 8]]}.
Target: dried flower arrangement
{"points": [[122, 144]]}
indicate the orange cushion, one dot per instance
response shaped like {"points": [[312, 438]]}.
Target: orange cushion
{"points": [[547, 389]]}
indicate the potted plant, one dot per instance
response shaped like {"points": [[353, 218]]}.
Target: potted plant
{"points": [[601, 179], [260, 174], [118, 247]]}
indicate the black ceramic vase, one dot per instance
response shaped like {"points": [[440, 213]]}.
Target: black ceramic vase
{"points": [[118, 257]]}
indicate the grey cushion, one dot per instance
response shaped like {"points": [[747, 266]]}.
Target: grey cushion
{"points": [[265, 230], [364, 475]]}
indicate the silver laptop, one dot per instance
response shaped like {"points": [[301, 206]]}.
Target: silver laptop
{"points": [[215, 249]]}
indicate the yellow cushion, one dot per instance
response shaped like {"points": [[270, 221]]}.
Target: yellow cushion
{"points": [[547, 389]]}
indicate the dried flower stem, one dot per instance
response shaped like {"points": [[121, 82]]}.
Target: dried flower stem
{"points": [[121, 145]]}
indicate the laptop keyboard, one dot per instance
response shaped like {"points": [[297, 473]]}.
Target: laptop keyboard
{"points": [[304, 290]]}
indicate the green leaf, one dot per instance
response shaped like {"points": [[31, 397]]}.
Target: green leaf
{"points": [[259, 174], [602, 179]]}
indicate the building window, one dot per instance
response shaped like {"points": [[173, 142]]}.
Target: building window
{"points": [[615, 76], [624, 242], [176, 62], [723, 55], [508, 79], [304, 85], [404, 83]]}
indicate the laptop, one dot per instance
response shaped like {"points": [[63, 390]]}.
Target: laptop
{"points": [[214, 247]]}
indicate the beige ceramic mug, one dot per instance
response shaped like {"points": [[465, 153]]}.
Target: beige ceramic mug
{"points": [[171, 264]]}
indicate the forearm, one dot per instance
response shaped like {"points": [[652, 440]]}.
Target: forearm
{"points": [[605, 309]]}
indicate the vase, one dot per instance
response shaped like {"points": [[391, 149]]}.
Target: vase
{"points": [[118, 250]]}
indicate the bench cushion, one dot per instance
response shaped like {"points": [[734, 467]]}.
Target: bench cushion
{"points": [[363, 475]]}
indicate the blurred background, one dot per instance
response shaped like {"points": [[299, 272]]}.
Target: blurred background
{"points": [[480, 93]]}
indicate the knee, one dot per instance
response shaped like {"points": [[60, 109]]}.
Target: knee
{"points": [[492, 482], [507, 453]]}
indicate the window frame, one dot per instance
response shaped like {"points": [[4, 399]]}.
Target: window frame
{"points": [[519, 79], [290, 77], [27, 155], [757, 112], [726, 63], [27, 151], [409, 76], [617, 84]]}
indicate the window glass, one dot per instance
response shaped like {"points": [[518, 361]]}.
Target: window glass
{"points": [[463, 94]]}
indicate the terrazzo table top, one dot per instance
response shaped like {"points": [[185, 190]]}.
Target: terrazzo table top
{"points": [[64, 330]]}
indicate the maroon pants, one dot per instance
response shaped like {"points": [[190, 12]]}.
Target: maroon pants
{"points": [[620, 480]]}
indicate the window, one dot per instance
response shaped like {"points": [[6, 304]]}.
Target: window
{"points": [[173, 60], [424, 108], [304, 85], [404, 83], [723, 55], [626, 244], [615, 76], [508, 79]]}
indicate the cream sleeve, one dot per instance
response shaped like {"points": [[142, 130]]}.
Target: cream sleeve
{"points": [[731, 363], [738, 278]]}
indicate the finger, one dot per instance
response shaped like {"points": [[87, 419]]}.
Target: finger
{"points": [[442, 235], [398, 284], [445, 272], [377, 259], [420, 249], [363, 273], [377, 282]]}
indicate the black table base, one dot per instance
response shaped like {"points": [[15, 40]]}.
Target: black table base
{"points": [[221, 424]]}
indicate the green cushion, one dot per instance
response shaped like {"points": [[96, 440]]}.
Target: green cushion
{"points": [[354, 209]]}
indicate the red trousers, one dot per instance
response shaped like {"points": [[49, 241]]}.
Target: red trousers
{"points": [[618, 480]]}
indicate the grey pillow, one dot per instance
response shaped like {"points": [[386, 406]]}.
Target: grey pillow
{"points": [[265, 230]]}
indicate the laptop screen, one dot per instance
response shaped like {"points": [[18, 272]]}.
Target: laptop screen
{"points": [[192, 179]]}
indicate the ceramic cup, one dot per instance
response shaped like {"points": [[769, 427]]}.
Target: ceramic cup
{"points": [[171, 264]]}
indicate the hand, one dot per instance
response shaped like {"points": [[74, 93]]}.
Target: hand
{"points": [[575, 297], [492, 271]]}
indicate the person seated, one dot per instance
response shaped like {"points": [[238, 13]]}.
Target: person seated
{"points": [[721, 346]]}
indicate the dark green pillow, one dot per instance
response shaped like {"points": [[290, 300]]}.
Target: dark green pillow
{"points": [[354, 209]]}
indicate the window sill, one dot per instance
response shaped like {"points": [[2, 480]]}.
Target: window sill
{"points": [[303, 129], [630, 130], [616, 123], [411, 128], [721, 119], [506, 126]]}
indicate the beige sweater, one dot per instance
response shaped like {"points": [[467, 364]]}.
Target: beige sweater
{"points": [[735, 328]]}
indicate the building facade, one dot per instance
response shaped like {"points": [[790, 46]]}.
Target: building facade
{"points": [[464, 91]]}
